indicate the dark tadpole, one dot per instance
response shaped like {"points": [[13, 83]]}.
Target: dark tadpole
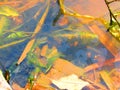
{"points": [[6, 72]]}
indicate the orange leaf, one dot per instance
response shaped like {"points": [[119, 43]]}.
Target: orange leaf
{"points": [[54, 52], [107, 80], [31, 42], [44, 50], [62, 68], [41, 22], [96, 65], [26, 50], [41, 83], [101, 87], [11, 3], [27, 6], [43, 80], [112, 44], [15, 86]]}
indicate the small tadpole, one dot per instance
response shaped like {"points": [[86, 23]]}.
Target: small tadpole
{"points": [[108, 30], [58, 15], [7, 75], [58, 2], [16, 64]]}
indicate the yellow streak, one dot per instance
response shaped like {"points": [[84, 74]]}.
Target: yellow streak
{"points": [[12, 43]]}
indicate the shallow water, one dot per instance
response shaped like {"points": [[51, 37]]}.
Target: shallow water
{"points": [[79, 54]]}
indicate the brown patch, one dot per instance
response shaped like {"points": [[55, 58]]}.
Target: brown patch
{"points": [[63, 21]]}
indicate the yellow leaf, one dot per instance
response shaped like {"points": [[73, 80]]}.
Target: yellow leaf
{"points": [[26, 50], [61, 2], [112, 44], [4, 23], [44, 50], [53, 53], [107, 80], [8, 11], [41, 22], [68, 11]]}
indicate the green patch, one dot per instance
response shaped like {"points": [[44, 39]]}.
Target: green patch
{"points": [[8, 11], [4, 24]]}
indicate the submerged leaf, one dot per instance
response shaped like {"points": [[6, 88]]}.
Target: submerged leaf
{"points": [[8, 11], [12, 43], [26, 50], [117, 14], [61, 3], [45, 62], [36, 31], [77, 34], [53, 52], [44, 50], [51, 61], [4, 23], [112, 46], [108, 81], [115, 31], [51, 56], [18, 34], [67, 11]]}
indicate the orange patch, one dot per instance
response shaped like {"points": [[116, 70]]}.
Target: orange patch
{"points": [[75, 43], [63, 21]]}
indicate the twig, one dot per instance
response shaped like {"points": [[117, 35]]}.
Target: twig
{"points": [[27, 6], [37, 30], [113, 1], [10, 3], [96, 65], [12, 43], [111, 15], [101, 87]]}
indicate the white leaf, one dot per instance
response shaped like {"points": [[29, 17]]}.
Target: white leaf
{"points": [[71, 82]]}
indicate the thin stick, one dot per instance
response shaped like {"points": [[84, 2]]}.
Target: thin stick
{"points": [[107, 79], [94, 84], [31, 42], [113, 1], [96, 65], [12, 43], [27, 6], [10, 2]]}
